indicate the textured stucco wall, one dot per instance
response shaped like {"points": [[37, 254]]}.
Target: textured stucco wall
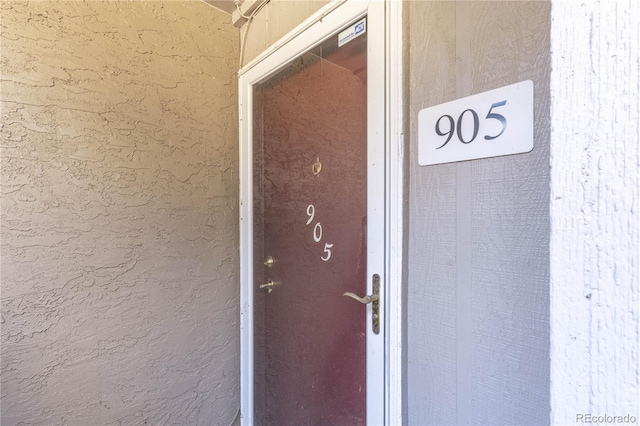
{"points": [[478, 259], [595, 210], [119, 213]]}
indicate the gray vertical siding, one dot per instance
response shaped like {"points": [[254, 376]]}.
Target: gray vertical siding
{"points": [[478, 268]]}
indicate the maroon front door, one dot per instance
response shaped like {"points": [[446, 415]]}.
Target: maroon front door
{"points": [[310, 180]]}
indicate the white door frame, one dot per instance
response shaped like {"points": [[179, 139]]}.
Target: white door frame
{"points": [[385, 190]]}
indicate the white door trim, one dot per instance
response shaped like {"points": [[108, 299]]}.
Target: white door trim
{"points": [[394, 248], [389, 188]]}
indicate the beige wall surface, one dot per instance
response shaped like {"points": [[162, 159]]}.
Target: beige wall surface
{"points": [[274, 21], [119, 213]]}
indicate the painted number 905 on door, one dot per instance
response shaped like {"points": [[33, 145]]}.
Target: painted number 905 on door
{"points": [[317, 232]]}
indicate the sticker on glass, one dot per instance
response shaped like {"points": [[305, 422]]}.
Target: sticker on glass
{"points": [[352, 32]]}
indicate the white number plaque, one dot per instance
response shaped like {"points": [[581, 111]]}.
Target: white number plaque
{"points": [[489, 124]]}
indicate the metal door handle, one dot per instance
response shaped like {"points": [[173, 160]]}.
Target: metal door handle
{"points": [[364, 300], [374, 299], [269, 286]]}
